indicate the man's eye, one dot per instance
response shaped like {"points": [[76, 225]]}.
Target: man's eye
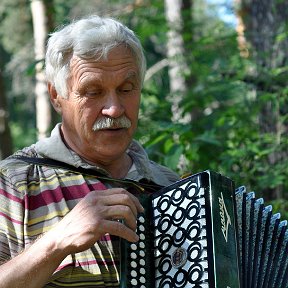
{"points": [[126, 88], [93, 93]]}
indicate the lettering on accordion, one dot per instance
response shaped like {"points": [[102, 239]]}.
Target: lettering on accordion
{"points": [[225, 217]]}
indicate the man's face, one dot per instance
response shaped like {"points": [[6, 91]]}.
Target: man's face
{"points": [[96, 89]]}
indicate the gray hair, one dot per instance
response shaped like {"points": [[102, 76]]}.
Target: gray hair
{"points": [[87, 38]]}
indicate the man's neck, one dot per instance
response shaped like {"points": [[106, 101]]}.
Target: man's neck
{"points": [[118, 169]]}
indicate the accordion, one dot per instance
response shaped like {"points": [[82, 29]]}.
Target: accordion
{"points": [[201, 232]]}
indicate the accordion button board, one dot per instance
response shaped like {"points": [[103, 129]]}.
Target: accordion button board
{"points": [[201, 232]]}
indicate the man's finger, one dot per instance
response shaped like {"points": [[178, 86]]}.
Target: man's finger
{"points": [[119, 229]]}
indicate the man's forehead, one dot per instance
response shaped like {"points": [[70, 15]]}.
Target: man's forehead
{"points": [[102, 55], [127, 67], [111, 63]]}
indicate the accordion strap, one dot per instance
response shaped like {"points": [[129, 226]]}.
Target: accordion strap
{"points": [[143, 186]]}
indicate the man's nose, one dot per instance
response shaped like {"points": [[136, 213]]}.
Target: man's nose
{"points": [[113, 107]]}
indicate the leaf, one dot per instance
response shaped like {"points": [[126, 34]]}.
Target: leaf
{"points": [[208, 137], [172, 158]]}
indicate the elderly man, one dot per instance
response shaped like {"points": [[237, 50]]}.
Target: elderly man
{"points": [[57, 221]]}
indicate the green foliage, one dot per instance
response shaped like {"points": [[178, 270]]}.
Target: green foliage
{"points": [[280, 205], [22, 137], [15, 20], [22, 122], [226, 99]]}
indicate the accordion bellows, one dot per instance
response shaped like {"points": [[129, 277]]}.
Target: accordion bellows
{"points": [[201, 232]]}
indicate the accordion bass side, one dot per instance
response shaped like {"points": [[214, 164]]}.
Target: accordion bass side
{"points": [[201, 232]]}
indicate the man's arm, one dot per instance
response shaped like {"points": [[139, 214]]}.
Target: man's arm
{"points": [[33, 267], [91, 218]]}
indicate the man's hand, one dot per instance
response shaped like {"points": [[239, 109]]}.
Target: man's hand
{"points": [[94, 216]]}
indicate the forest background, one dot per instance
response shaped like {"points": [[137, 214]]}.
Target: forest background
{"points": [[215, 93]]}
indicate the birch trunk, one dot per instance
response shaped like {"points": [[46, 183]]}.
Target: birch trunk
{"points": [[175, 52], [43, 106]]}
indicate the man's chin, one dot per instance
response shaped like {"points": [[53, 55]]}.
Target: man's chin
{"points": [[112, 141]]}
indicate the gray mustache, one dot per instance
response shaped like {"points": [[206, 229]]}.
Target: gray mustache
{"points": [[111, 123]]}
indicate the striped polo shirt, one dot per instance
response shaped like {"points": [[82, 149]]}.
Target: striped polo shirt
{"points": [[34, 198]]}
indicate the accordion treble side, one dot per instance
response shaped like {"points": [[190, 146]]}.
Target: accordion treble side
{"points": [[187, 237]]}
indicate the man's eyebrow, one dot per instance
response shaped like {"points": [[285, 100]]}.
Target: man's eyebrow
{"points": [[132, 74]]}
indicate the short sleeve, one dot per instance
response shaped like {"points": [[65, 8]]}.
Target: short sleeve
{"points": [[11, 218]]}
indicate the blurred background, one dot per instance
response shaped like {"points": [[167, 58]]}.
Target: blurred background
{"points": [[215, 94]]}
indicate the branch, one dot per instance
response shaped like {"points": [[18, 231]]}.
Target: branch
{"points": [[156, 68]]}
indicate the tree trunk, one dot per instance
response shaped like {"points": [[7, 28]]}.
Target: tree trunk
{"points": [[175, 53], [5, 135], [43, 106], [240, 29], [50, 15]]}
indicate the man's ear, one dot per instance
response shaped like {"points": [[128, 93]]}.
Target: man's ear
{"points": [[54, 98]]}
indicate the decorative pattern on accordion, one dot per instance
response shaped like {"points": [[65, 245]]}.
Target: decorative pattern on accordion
{"points": [[180, 237], [178, 246]]}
